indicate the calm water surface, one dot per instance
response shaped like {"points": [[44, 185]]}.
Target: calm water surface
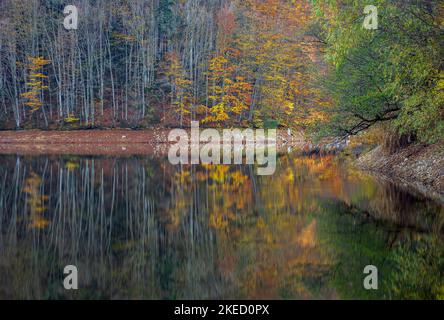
{"points": [[141, 228]]}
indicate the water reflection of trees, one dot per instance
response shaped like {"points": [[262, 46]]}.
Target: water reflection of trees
{"points": [[143, 228]]}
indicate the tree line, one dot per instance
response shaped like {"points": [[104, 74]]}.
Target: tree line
{"points": [[143, 62], [298, 63]]}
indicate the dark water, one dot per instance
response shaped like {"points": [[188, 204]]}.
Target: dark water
{"points": [[142, 228]]}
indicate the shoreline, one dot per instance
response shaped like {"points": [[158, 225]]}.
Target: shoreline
{"points": [[418, 167], [106, 142]]}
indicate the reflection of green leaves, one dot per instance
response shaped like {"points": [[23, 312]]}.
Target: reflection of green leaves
{"points": [[355, 243], [146, 227], [408, 271], [419, 270], [149, 172]]}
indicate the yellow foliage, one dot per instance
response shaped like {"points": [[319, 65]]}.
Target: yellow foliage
{"points": [[181, 95], [36, 85], [71, 119], [229, 93]]}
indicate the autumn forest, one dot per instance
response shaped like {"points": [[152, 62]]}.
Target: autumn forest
{"points": [[91, 89], [290, 63]]}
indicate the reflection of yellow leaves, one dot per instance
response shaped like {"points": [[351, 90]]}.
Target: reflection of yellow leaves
{"points": [[182, 176], [39, 209], [268, 236], [290, 175], [307, 238], [124, 245], [36, 202], [71, 166], [218, 221], [237, 178], [38, 222], [175, 221], [219, 174], [260, 223]]}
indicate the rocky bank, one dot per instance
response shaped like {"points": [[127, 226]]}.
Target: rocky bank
{"points": [[417, 166]]}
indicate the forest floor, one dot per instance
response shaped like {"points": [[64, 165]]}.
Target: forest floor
{"points": [[105, 142], [418, 166]]}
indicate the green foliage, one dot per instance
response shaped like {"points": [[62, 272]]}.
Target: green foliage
{"points": [[271, 124], [390, 74]]}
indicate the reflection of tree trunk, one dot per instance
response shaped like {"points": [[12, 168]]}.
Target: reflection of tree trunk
{"points": [[253, 179], [142, 228]]}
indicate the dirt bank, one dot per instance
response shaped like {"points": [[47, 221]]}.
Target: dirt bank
{"points": [[418, 166], [104, 142]]}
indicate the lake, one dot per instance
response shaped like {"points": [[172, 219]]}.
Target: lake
{"points": [[141, 228]]}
